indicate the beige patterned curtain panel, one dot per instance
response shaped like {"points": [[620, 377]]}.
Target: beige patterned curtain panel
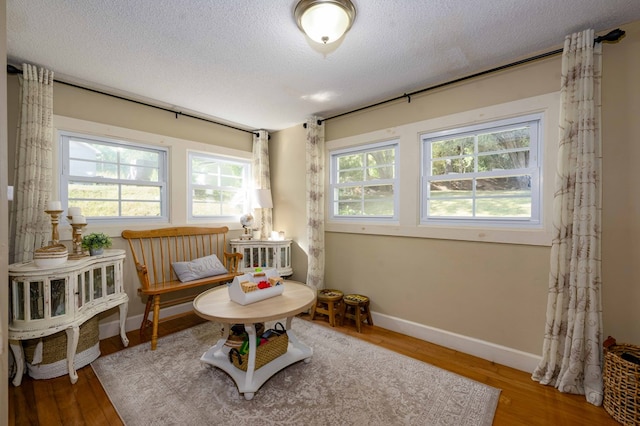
{"points": [[29, 225], [315, 202], [572, 349], [262, 180]]}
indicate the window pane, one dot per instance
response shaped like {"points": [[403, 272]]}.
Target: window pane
{"points": [[456, 208], [351, 176], [82, 168], [349, 193], [513, 185], [501, 207], [350, 161], [206, 194], [90, 190], [380, 157], [451, 188], [378, 191], [97, 208], [143, 170], [506, 161], [231, 181], [452, 147], [452, 166], [133, 192], [229, 209], [382, 172], [206, 209], [382, 207], [349, 208], [499, 141], [140, 208]]}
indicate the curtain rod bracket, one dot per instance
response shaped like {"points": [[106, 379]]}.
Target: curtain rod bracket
{"points": [[408, 98], [610, 37], [319, 123]]}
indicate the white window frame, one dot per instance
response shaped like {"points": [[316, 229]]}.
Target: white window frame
{"points": [[65, 177], [410, 165], [246, 164], [534, 170], [334, 185]]}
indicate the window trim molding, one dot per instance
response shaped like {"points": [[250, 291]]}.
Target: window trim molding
{"points": [[409, 136], [177, 164], [105, 221]]}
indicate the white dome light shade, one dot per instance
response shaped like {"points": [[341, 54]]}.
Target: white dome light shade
{"points": [[325, 21]]}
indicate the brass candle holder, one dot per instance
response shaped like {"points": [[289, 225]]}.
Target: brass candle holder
{"points": [[55, 221], [76, 239]]}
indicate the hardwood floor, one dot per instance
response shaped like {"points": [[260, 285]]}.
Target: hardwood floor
{"points": [[522, 401]]}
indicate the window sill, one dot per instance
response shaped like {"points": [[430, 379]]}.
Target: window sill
{"points": [[535, 237]]}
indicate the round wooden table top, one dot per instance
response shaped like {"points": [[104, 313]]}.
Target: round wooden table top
{"points": [[215, 305]]}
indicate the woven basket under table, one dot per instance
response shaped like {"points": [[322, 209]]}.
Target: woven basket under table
{"points": [[54, 351], [622, 384], [265, 353]]}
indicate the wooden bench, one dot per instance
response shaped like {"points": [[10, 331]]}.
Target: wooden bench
{"points": [[155, 250]]}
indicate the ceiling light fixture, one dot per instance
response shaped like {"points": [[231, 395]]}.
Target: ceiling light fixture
{"points": [[325, 21]]}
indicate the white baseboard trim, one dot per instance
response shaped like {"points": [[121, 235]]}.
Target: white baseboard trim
{"points": [[495, 353]]}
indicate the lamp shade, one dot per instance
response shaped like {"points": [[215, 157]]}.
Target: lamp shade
{"points": [[262, 199], [325, 21]]}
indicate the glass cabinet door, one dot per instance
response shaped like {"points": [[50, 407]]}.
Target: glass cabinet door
{"points": [[86, 282], [36, 300], [17, 300], [58, 297], [111, 279], [97, 283], [269, 261]]}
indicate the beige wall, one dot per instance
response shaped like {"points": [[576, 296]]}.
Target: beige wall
{"points": [[287, 165], [492, 292]]}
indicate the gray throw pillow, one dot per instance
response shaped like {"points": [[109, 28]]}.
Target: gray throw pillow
{"points": [[207, 266]]}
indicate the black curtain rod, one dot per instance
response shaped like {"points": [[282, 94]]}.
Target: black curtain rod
{"points": [[14, 70], [611, 36]]}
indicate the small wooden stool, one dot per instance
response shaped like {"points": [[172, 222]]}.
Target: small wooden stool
{"points": [[359, 304], [328, 302]]}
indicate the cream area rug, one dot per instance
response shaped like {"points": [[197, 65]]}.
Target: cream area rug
{"points": [[347, 382]]}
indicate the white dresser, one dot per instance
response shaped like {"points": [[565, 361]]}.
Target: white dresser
{"points": [[264, 254], [44, 301]]}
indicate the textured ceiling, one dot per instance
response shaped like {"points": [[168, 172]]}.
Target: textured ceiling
{"points": [[245, 62]]}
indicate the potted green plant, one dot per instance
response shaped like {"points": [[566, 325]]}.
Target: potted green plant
{"points": [[96, 242]]}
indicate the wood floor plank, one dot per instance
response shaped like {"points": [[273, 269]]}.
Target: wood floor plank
{"points": [[46, 407], [522, 401]]}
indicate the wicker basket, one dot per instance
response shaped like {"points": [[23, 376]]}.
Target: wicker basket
{"points": [[54, 351], [265, 353], [622, 384]]}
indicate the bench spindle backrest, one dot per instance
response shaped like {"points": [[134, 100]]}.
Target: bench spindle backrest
{"points": [[157, 249]]}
